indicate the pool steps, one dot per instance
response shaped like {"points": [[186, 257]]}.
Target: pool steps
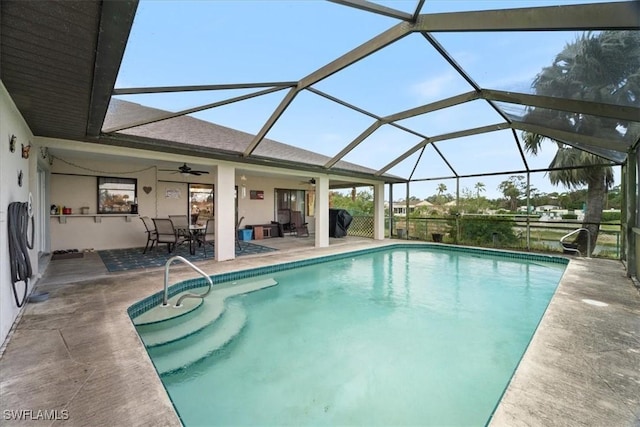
{"points": [[195, 347], [208, 313], [181, 341]]}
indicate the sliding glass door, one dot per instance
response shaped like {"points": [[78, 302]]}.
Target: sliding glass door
{"points": [[288, 201], [200, 203]]}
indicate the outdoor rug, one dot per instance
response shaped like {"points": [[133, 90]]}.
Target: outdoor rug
{"points": [[133, 258]]}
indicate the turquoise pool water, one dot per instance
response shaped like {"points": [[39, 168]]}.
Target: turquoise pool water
{"points": [[398, 337]]}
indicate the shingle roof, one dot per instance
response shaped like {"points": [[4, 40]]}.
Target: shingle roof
{"points": [[190, 132]]}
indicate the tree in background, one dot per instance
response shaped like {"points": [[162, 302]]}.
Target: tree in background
{"points": [[602, 67], [361, 205], [471, 201], [441, 198], [480, 188], [512, 189]]}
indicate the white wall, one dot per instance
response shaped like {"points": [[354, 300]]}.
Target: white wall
{"points": [[12, 123]]}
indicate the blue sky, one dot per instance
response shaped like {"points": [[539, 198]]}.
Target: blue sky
{"points": [[211, 42]]}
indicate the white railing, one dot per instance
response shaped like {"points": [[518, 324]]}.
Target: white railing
{"points": [[566, 246], [165, 298]]}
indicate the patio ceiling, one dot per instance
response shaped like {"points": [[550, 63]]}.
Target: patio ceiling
{"points": [[171, 116]]}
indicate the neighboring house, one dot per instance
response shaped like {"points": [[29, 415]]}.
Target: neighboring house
{"points": [[400, 208], [546, 208]]}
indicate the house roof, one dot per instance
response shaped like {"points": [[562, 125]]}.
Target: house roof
{"points": [[192, 134]]}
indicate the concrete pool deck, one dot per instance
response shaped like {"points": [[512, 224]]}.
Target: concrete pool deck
{"points": [[78, 354]]}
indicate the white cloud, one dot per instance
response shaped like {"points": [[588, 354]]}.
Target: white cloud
{"points": [[433, 87]]}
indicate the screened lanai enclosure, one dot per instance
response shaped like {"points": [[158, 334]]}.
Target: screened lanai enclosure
{"points": [[457, 98], [430, 95]]}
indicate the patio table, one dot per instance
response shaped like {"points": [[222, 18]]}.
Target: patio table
{"points": [[194, 232]]}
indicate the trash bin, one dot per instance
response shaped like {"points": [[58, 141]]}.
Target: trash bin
{"points": [[245, 234], [401, 233]]}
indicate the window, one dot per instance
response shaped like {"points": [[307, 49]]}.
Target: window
{"points": [[116, 195]]}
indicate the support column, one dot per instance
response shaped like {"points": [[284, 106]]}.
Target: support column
{"points": [[225, 213], [528, 210], [378, 211], [391, 219], [406, 212], [633, 212], [322, 212]]}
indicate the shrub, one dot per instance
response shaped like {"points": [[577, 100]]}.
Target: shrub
{"points": [[480, 231], [569, 216], [609, 216]]}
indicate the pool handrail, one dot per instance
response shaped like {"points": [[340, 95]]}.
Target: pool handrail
{"points": [[165, 297], [577, 230]]}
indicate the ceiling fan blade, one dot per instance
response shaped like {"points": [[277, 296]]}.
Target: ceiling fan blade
{"points": [[184, 169]]}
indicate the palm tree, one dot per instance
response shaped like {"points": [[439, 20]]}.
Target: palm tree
{"points": [[441, 189], [603, 68], [480, 188]]}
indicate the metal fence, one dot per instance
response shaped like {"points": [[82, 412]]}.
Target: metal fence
{"points": [[506, 232]]}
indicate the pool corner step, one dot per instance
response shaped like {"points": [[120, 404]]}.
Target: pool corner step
{"points": [[162, 313], [180, 354], [208, 312], [244, 287]]}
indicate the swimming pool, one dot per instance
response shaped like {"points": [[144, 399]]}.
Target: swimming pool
{"points": [[404, 336]]}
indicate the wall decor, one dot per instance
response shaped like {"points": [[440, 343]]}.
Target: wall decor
{"points": [[147, 189], [25, 151], [256, 195], [20, 178], [12, 143], [172, 193]]}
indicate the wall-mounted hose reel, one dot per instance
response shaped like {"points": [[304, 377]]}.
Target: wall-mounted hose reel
{"points": [[19, 216]]}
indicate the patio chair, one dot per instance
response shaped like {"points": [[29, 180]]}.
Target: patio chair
{"points": [[284, 219], [181, 224], [167, 233], [152, 236], [208, 237], [298, 227], [238, 229]]}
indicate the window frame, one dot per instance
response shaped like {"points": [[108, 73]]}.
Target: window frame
{"points": [[115, 180]]}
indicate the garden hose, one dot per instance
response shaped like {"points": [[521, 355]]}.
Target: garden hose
{"points": [[19, 245]]}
